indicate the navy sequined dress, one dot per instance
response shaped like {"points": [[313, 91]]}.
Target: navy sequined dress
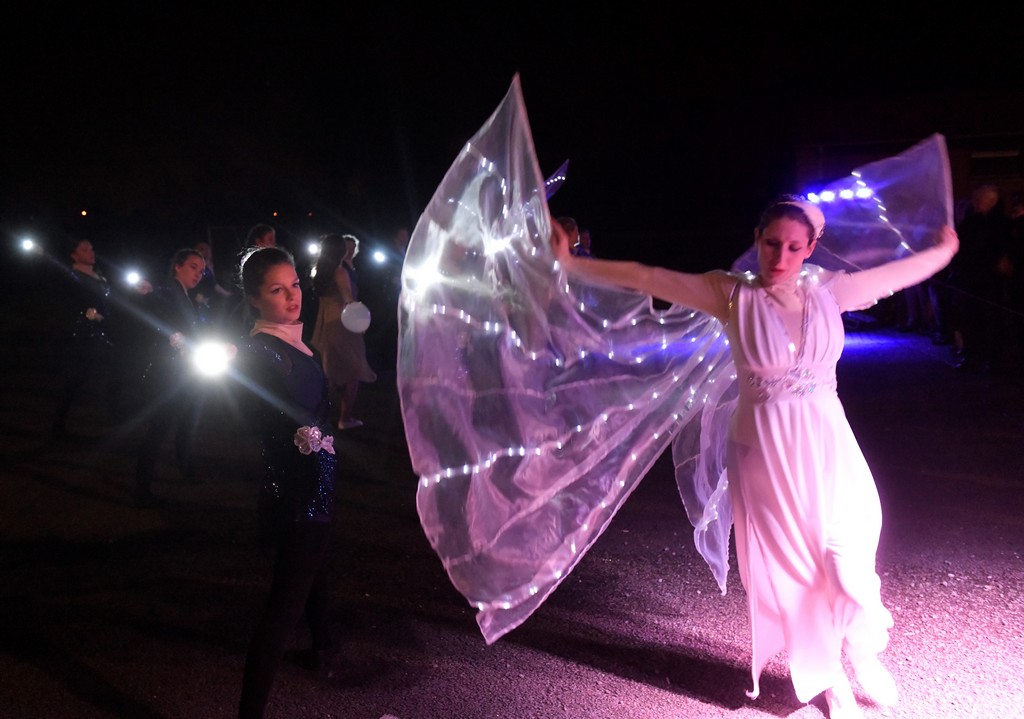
{"points": [[288, 391], [83, 293]]}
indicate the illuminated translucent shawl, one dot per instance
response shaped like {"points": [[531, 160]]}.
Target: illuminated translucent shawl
{"points": [[534, 404]]}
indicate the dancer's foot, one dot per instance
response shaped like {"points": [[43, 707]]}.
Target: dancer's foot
{"points": [[841, 704], [876, 681]]}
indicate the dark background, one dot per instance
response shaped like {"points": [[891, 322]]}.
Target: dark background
{"points": [[170, 126], [173, 125]]}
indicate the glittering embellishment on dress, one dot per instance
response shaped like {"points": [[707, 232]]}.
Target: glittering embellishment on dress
{"points": [[177, 341], [311, 439], [298, 486], [798, 382]]}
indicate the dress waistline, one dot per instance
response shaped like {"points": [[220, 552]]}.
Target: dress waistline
{"points": [[798, 383]]}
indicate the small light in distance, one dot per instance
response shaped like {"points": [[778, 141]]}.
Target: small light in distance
{"points": [[29, 245], [313, 248], [380, 257]]}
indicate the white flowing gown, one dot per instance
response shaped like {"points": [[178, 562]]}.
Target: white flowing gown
{"points": [[806, 512], [533, 403]]}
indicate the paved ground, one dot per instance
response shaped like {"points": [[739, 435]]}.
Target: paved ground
{"points": [[111, 611]]}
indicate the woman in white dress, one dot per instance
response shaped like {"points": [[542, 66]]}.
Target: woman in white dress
{"points": [[807, 515]]}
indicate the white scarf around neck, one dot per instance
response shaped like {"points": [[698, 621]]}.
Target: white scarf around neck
{"points": [[292, 334]]}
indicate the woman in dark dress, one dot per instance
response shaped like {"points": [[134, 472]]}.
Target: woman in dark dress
{"points": [[288, 406], [169, 388], [87, 357]]}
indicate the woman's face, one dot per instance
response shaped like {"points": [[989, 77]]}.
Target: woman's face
{"points": [[280, 297], [190, 271], [83, 254], [781, 250]]}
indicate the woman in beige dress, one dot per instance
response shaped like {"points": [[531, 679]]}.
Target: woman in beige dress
{"points": [[343, 351]]}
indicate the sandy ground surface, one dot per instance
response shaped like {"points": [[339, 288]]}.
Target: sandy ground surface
{"points": [[108, 610]]}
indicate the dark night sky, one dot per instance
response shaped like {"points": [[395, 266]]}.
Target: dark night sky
{"points": [[163, 124]]}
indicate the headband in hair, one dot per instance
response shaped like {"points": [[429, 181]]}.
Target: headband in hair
{"points": [[811, 211]]}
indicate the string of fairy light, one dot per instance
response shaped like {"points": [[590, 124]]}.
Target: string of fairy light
{"points": [[700, 375], [496, 328], [860, 190], [692, 397], [488, 326]]}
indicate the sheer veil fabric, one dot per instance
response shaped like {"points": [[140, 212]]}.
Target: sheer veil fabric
{"points": [[533, 404]]}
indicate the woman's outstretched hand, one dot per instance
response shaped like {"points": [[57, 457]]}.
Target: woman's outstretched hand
{"points": [[948, 239]]}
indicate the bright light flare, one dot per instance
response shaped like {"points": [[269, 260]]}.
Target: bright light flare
{"points": [[313, 248], [379, 256], [132, 277], [212, 359], [29, 245], [420, 278]]}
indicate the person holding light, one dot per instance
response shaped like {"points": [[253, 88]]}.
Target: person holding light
{"points": [[169, 394]]}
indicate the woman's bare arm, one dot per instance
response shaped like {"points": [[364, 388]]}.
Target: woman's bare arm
{"points": [[702, 291]]}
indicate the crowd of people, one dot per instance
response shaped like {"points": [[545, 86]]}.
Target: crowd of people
{"points": [[307, 364], [131, 345], [297, 387]]}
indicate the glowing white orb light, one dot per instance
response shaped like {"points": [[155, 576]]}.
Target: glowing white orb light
{"points": [[356, 317]]}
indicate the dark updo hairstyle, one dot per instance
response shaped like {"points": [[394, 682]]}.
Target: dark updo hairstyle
{"points": [[181, 257], [254, 266], [780, 209]]}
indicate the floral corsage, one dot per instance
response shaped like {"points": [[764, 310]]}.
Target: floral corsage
{"points": [[177, 341], [310, 439]]}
